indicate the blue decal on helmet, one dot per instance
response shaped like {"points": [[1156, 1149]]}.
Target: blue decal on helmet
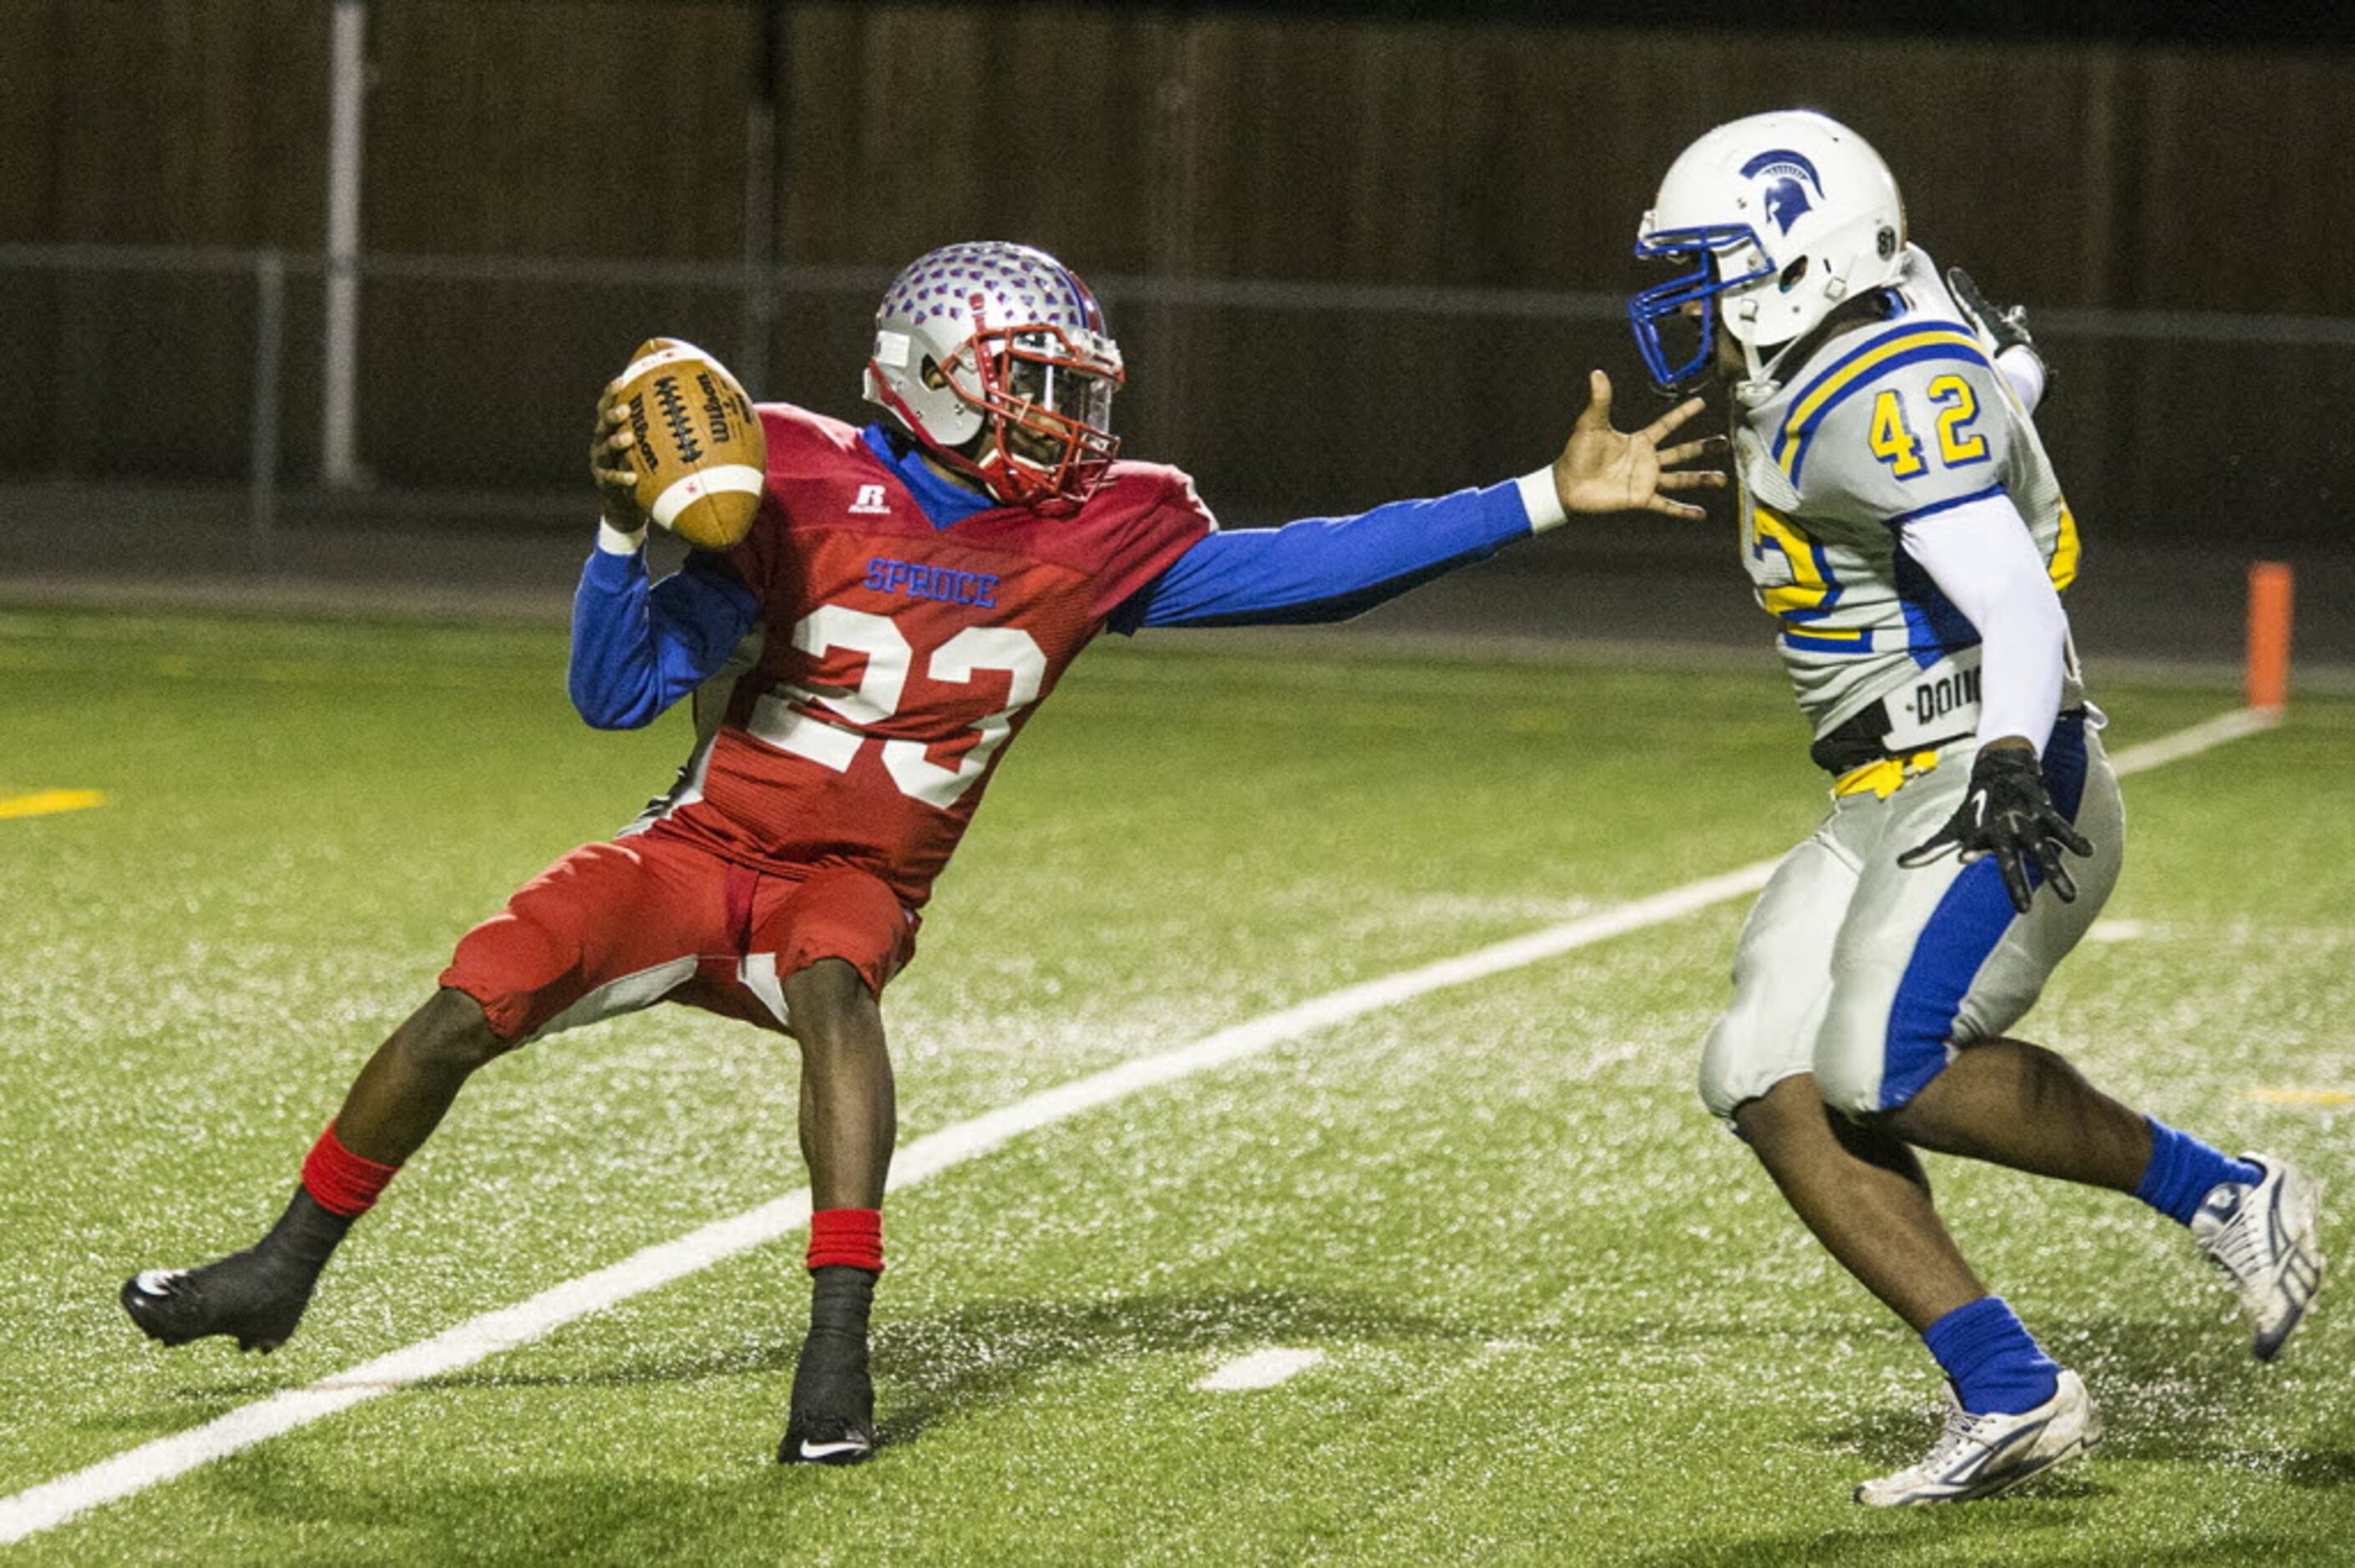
{"points": [[1789, 175]]}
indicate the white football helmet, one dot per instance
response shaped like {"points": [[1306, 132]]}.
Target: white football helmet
{"points": [[1784, 216], [1005, 343]]}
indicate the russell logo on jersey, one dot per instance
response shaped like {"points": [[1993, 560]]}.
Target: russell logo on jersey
{"points": [[870, 503]]}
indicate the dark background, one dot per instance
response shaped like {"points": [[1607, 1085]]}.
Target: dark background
{"points": [[2169, 187]]}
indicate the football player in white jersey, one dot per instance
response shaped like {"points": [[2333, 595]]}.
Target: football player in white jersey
{"points": [[1901, 522]]}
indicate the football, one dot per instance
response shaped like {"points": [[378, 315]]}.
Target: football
{"points": [[701, 454]]}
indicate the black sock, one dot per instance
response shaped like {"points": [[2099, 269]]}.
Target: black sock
{"points": [[831, 1390], [840, 1298], [307, 1235]]}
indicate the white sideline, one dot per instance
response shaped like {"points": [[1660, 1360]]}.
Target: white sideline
{"points": [[53, 1502]]}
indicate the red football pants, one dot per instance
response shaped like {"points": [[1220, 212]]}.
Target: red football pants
{"points": [[614, 927]]}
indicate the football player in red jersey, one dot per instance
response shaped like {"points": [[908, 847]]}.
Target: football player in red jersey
{"points": [[909, 594]]}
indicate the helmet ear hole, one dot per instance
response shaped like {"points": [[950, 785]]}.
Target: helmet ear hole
{"points": [[933, 375], [1793, 274]]}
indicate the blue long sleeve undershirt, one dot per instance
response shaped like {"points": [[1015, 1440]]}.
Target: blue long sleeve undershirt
{"points": [[636, 647], [1326, 569], [639, 647]]}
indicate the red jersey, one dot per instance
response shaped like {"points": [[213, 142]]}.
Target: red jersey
{"points": [[899, 659]]}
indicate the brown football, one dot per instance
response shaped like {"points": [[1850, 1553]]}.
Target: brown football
{"points": [[700, 452]]}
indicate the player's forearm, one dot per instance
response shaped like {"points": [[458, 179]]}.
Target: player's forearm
{"points": [[1329, 568], [1982, 558], [2026, 640], [638, 647], [2023, 367], [613, 672]]}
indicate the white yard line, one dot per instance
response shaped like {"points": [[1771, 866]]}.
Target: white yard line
{"points": [[2203, 736], [1261, 1369], [53, 1502]]}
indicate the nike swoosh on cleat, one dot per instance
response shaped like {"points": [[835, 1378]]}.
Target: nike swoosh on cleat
{"points": [[831, 1450], [1969, 1471], [2036, 1468]]}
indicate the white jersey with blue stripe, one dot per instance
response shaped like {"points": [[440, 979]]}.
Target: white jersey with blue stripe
{"points": [[1897, 419]]}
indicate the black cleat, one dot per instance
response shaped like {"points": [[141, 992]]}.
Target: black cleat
{"points": [[257, 1295], [257, 1299], [833, 1419]]}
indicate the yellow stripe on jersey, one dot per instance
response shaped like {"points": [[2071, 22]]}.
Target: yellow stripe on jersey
{"points": [[2063, 566], [1812, 587], [1849, 373], [1797, 603]]}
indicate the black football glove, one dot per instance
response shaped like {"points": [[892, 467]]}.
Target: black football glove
{"points": [[2008, 814], [2005, 325]]}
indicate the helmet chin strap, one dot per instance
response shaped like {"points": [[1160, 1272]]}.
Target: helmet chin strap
{"points": [[1013, 480], [1760, 385], [1764, 378]]}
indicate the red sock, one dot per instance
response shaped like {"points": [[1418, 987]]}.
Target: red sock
{"points": [[341, 1182], [852, 1236]]}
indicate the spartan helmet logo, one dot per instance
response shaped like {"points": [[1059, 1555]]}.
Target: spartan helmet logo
{"points": [[1788, 178]]}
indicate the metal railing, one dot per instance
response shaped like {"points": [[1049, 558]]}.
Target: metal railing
{"points": [[756, 288]]}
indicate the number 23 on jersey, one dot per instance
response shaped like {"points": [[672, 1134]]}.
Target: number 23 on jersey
{"points": [[881, 686]]}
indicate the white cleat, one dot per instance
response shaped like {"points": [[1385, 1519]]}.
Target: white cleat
{"points": [[1978, 1455], [2265, 1237]]}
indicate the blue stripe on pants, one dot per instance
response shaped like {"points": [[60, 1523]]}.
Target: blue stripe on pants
{"points": [[1961, 934]]}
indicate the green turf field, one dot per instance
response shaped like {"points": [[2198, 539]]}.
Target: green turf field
{"points": [[1563, 1317]]}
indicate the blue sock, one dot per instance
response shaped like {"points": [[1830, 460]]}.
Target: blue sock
{"points": [[1995, 1368], [2183, 1170]]}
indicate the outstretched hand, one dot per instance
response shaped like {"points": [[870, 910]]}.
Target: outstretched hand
{"points": [[1605, 470]]}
